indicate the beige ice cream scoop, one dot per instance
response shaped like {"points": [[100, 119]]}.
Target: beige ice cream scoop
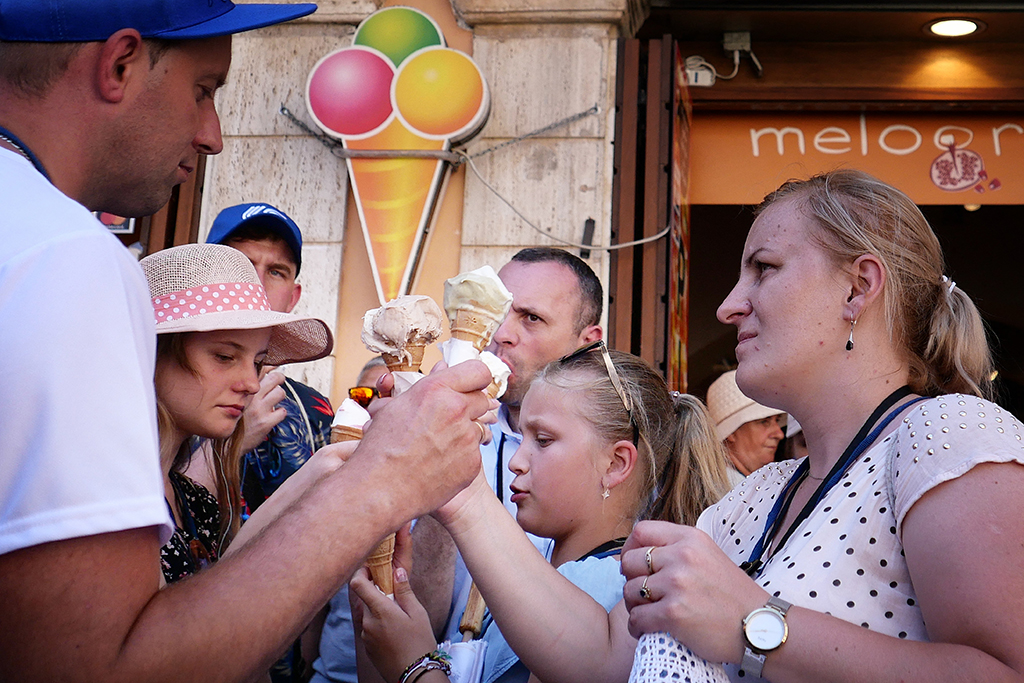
{"points": [[401, 329], [476, 303]]}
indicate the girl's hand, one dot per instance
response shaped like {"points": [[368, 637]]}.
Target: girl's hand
{"points": [[395, 632], [465, 505], [696, 593]]}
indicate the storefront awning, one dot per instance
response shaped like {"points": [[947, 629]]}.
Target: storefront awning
{"points": [[737, 158]]}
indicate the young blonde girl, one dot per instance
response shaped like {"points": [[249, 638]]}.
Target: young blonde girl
{"points": [[604, 445]]}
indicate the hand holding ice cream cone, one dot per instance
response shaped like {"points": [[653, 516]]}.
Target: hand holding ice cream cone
{"points": [[348, 426], [400, 330]]}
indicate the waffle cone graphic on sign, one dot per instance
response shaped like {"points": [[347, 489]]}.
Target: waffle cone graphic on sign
{"points": [[398, 88], [395, 198]]}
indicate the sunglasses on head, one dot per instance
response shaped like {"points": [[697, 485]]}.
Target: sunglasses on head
{"points": [[613, 375], [363, 395]]}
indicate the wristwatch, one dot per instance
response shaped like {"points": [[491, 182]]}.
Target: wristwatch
{"points": [[765, 629]]}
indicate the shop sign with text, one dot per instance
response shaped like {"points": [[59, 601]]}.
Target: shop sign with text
{"points": [[934, 158]]}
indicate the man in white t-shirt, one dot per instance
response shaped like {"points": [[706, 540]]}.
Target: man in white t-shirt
{"points": [[106, 105]]}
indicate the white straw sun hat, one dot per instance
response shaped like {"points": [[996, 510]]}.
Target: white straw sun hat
{"points": [[731, 409], [207, 287]]}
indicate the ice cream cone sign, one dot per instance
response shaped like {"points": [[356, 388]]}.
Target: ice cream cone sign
{"points": [[397, 88]]}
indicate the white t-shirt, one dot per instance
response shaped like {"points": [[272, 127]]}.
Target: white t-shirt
{"points": [[78, 438], [846, 559]]}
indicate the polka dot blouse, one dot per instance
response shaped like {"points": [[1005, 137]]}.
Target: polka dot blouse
{"points": [[846, 559]]}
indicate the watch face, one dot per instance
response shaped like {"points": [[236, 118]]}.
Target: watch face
{"points": [[765, 629]]}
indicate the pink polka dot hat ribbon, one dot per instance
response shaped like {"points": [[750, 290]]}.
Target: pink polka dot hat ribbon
{"points": [[213, 298], [207, 287]]}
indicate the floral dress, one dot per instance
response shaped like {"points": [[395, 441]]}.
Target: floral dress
{"points": [[195, 546]]}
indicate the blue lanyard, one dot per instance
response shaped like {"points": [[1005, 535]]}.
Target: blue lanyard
{"points": [[860, 443], [11, 138]]}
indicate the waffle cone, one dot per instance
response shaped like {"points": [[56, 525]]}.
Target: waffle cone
{"points": [[410, 364], [492, 390], [474, 327], [341, 433], [379, 564]]}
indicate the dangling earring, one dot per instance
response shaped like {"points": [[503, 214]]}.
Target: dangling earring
{"points": [[605, 494], [849, 342]]}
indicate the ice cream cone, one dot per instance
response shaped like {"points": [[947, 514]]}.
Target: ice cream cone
{"points": [[394, 198], [341, 433], [379, 564], [475, 327], [493, 389], [411, 362]]}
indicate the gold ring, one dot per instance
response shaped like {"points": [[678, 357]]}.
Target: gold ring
{"points": [[645, 592], [484, 432], [650, 562]]}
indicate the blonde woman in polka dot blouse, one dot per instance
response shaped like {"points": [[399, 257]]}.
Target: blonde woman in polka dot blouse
{"points": [[906, 563], [893, 552]]}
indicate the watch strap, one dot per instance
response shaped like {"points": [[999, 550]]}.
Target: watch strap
{"points": [[778, 604], [752, 663], [753, 660]]}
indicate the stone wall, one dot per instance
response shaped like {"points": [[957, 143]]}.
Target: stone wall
{"points": [[544, 61]]}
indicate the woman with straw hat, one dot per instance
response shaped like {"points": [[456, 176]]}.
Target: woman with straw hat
{"points": [[750, 431], [215, 331]]}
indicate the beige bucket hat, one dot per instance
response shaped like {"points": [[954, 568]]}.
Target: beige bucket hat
{"points": [[730, 408], [207, 287]]}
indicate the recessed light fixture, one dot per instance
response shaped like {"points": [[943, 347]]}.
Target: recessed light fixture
{"points": [[954, 27]]}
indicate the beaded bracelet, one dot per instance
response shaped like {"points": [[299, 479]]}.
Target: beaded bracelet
{"points": [[436, 660]]}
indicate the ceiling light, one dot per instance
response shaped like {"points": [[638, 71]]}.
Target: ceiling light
{"points": [[954, 28], [972, 207]]}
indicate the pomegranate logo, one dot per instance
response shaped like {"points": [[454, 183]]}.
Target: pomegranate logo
{"points": [[958, 168]]}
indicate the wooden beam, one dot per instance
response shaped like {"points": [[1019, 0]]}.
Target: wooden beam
{"points": [[653, 171], [620, 321]]}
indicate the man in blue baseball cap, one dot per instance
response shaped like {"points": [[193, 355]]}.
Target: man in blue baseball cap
{"points": [[106, 105], [286, 421]]}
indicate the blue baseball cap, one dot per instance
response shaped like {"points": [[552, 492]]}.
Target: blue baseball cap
{"points": [[232, 218], [74, 21]]}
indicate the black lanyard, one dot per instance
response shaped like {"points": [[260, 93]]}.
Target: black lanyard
{"points": [[23, 149], [499, 473], [606, 549], [859, 444]]}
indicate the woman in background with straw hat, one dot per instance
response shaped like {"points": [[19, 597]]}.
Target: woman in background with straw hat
{"points": [[215, 331], [750, 431]]}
